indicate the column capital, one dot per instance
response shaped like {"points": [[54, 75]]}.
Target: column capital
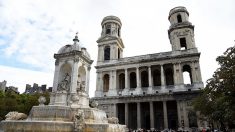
{"points": [[57, 62], [88, 68]]}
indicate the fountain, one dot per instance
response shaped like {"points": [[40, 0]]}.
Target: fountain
{"points": [[69, 108]]}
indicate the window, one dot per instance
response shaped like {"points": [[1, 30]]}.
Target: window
{"points": [[108, 29], [107, 53], [119, 32], [106, 83], [118, 53], [179, 18], [183, 44], [187, 75]]}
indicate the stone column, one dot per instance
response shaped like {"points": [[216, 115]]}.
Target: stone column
{"points": [[115, 110], [175, 74], [126, 114], [165, 115], [186, 123], [114, 79], [179, 113], [110, 80], [126, 79], [151, 114], [88, 80], [198, 71], [150, 77], [162, 76], [98, 80], [100, 53], [56, 76], [193, 72], [138, 116], [74, 77], [138, 77], [181, 80]]}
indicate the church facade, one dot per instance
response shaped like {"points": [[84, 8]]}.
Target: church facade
{"points": [[149, 91]]}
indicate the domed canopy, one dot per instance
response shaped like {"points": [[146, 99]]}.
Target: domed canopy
{"points": [[68, 48], [111, 19], [75, 47]]}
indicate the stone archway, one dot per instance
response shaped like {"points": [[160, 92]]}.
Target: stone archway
{"points": [[64, 79], [81, 82]]}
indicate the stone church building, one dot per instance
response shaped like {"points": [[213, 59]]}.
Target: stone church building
{"points": [[149, 91]]}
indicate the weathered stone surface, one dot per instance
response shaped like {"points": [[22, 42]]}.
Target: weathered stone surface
{"points": [[14, 115], [69, 109]]}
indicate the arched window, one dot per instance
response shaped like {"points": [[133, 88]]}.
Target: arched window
{"points": [[183, 44], [122, 81], [156, 78], [187, 74], [132, 80], [107, 53], [106, 83], [119, 32], [179, 18], [169, 76], [144, 79]]}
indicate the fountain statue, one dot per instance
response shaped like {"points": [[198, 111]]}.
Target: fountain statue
{"points": [[70, 109]]}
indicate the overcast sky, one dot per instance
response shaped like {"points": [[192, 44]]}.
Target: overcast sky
{"points": [[31, 31]]}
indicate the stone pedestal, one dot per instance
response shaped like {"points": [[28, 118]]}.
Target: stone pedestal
{"points": [[63, 119], [61, 98]]}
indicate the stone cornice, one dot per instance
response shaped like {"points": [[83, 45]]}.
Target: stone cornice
{"points": [[108, 38], [186, 95], [180, 26], [71, 54], [147, 58]]}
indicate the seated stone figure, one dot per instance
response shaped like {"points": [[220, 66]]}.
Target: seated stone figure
{"points": [[64, 85], [81, 86]]}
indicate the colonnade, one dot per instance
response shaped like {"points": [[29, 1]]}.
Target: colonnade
{"points": [[147, 76], [154, 114]]}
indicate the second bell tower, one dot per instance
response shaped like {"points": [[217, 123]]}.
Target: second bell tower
{"points": [[110, 45], [181, 31]]}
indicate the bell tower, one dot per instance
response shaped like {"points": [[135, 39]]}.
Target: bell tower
{"points": [[110, 45], [181, 31]]}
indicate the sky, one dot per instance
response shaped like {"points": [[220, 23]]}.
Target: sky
{"points": [[31, 31]]}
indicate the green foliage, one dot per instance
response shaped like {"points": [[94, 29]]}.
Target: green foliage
{"points": [[11, 101], [217, 100]]}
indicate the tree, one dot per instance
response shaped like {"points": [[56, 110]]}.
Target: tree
{"points": [[10, 101], [217, 100]]}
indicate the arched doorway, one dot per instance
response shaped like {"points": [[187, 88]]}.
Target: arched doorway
{"points": [[122, 81], [144, 79], [187, 74], [156, 78], [132, 80], [81, 82]]}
